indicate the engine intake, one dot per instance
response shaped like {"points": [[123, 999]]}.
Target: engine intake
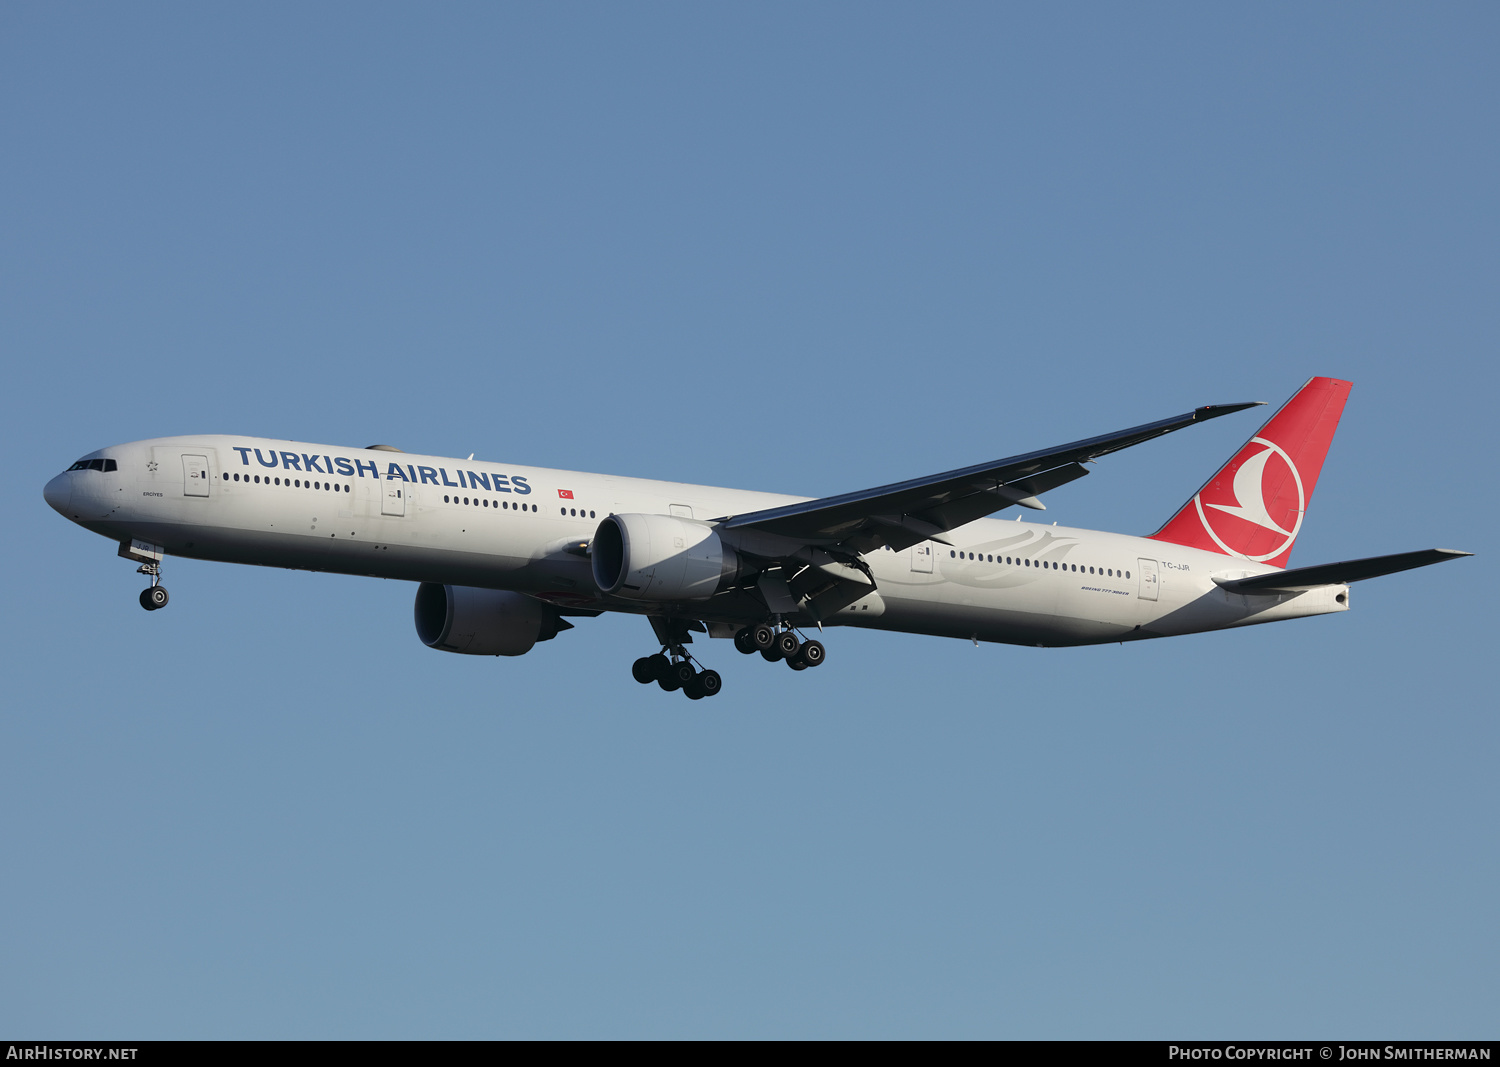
{"points": [[483, 622], [661, 557]]}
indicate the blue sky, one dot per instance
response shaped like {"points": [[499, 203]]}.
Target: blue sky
{"points": [[802, 248]]}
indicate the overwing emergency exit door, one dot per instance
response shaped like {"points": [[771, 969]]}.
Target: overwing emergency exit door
{"points": [[393, 498], [921, 558]]}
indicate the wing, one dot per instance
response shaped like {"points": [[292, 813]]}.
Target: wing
{"points": [[922, 509], [1300, 579]]}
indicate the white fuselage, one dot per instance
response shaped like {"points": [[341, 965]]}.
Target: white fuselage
{"points": [[503, 526]]}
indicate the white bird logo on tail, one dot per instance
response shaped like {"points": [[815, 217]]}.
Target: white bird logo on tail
{"points": [[1247, 486], [1250, 501]]}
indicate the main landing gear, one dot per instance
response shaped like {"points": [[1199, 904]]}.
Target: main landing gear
{"points": [[672, 669], [154, 596], [783, 645]]}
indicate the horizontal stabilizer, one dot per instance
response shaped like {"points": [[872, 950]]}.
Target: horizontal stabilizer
{"points": [[1301, 579]]}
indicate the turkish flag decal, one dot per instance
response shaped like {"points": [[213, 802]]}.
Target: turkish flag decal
{"points": [[566, 494]]}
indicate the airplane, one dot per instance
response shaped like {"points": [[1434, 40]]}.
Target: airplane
{"points": [[504, 555]]}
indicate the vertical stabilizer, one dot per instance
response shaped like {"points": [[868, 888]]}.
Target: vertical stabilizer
{"points": [[1253, 507]]}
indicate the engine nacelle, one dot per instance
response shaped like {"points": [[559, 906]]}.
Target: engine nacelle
{"points": [[482, 622], [661, 557]]}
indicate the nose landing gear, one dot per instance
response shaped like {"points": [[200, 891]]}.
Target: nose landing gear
{"points": [[149, 557], [154, 596]]}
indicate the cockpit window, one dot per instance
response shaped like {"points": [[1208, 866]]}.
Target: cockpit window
{"points": [[94, 465]]}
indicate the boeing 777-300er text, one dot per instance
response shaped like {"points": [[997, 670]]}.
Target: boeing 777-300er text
{"points": [[505, 555]]}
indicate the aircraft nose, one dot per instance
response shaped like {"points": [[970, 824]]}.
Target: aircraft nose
{"points": [[59, 493]]}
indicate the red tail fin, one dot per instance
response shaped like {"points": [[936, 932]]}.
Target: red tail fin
{"points": [[1253, 507]]}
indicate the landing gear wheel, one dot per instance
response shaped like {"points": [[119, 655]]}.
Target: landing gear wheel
{"points": [[709, 683], [797, 664], [154, 597], [762, 636], [813, 653], [787, 644], [744, 641], [694, 689], [770, 655], [676, 676], [661, 671], [643, 670]]}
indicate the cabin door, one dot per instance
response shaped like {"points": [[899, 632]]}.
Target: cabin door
{"points": [[195, 475], [1149, 579]]}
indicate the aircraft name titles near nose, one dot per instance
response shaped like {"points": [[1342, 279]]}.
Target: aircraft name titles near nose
{"points": [[307, 463]]}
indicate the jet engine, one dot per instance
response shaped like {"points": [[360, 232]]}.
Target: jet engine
{"points": [[661, 557], [483, 622]]}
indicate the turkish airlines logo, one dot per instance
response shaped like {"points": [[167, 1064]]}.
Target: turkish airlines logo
{"points": [[1258, 500]]}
